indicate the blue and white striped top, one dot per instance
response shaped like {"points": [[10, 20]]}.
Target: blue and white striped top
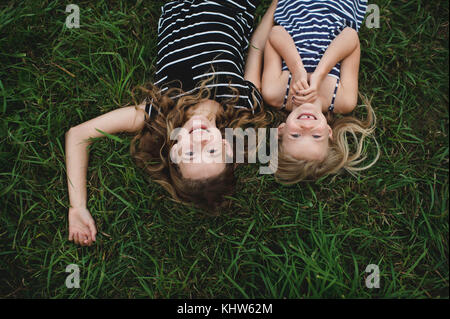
{"points": [[314, 24]]}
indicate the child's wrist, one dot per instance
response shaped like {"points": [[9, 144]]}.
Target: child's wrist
{"points": [[76, 208], [299, 71], [319, 74]]}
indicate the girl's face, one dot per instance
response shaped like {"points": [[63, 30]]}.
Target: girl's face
{"points": [[306, 133], [200, 150]]}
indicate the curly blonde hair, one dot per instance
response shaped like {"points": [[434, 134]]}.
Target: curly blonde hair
{"points": [[291, 170]]}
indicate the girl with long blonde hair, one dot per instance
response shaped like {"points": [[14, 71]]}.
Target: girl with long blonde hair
{"points": [[311, 67]]}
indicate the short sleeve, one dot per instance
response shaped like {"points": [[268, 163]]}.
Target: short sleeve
{"points": [[254, 97]]}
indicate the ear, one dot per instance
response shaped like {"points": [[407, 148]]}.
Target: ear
{"points": [[174, 156], [280, 130], [330, 132]]}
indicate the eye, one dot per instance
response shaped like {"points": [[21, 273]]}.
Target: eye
{"points": [[295, 135], [212, 151], [190, 154], [317, 136]]}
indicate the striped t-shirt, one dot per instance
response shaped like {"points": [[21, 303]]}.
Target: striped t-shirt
{"points": [[200, 39], [314, 24]]}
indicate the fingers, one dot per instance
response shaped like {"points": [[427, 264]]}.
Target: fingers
{"points": [[294, 90], [82, 239], [82, 232], [295, 102], [307, 91], [76, 240], [305, 84], [303, 93], [306, 99], [299, 86], [93, 231], [87, 240]]}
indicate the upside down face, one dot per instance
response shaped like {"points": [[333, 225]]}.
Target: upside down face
{"points": [[306, 133], [200, 151]]}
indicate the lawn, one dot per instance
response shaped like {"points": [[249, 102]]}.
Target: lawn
{"points": [[311, 240]]}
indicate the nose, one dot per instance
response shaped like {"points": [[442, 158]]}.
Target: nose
{"points": [[307, 125]]}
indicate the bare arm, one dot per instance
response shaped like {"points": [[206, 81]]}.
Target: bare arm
{"points": [[283, 43], [347, 96], [340, 48], [280, 47], [253, 66], [274, 80], [344, 48], [127, 119]]}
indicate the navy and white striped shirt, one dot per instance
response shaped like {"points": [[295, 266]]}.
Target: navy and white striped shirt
{"points": [[200, 39], [314, 24]]}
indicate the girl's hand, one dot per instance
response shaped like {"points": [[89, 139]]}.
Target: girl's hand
{"points": [[310, 94], [299, 83], [81, 226]]}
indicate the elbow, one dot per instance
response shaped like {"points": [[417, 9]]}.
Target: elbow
{"points": [[347, 106], [71, 132], [352, 37], [275, 34], [271, 98], [69, 137]]}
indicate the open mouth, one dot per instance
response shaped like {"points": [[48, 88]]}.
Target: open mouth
{"points": [[307, 117], [199, 129]]}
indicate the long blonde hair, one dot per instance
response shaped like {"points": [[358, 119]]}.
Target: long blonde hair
{"points": [[151, 146], [291, 170]]}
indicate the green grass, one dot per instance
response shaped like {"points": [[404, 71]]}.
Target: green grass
{"points": [[312, 240]]}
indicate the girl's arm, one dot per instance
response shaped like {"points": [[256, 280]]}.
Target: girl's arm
{"points": [[281, 46], [347, 96], [342, 47], [283, 43], [128, 119], [274, 80], [254, 62]]}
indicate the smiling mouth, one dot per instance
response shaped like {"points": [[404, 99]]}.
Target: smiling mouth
{"points": [[307, 117], [202, 128]]}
